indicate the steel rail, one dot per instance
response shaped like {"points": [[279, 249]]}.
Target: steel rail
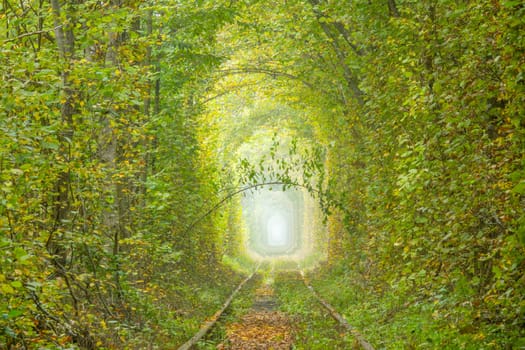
{"points": [[205, 328], [337, 316]]}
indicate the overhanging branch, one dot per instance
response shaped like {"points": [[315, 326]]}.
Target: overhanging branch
{"points": [[276, 73], [231, 195], [271, 72], [255, 186], [21, 36], [226, 92]]}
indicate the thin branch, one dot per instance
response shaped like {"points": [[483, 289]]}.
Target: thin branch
{"points": [[346, 35], [351, 79], [225, 199], [21, 36], [273, 73], [339, 26], [230, 195], [392, 8], [226, 92]]}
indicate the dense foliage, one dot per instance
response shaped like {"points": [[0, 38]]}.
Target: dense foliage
{"points": [[101, 174], [123, 121], [420, 109]]}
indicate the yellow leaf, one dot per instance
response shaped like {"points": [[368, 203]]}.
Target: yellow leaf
{"points": [[7, 289]]}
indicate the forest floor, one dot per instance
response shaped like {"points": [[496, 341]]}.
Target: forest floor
{"points": [[277, 311], [263, 327]]}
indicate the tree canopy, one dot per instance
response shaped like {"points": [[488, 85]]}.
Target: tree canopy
{"points": [[124, 121]]}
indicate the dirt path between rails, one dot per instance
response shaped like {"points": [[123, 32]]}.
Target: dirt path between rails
{"points": [[262, 328]]}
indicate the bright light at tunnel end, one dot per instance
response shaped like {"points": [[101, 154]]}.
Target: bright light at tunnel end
{"points": [[277, 231], [274, 224]]}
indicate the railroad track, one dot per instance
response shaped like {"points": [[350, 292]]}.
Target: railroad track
{"points": [[264, 303], [363, 343], [208, 325]]}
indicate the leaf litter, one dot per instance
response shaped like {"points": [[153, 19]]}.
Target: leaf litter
{"points": [[263, 328]]}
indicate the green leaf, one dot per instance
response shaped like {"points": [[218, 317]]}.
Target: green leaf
{"points": [[51, 146], [512, 3], [421, 220], [519, 188], [16, 284], [14, 313], [20, 254]]}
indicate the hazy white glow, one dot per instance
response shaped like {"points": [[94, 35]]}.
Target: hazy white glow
{"points": [[277, 231]]}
